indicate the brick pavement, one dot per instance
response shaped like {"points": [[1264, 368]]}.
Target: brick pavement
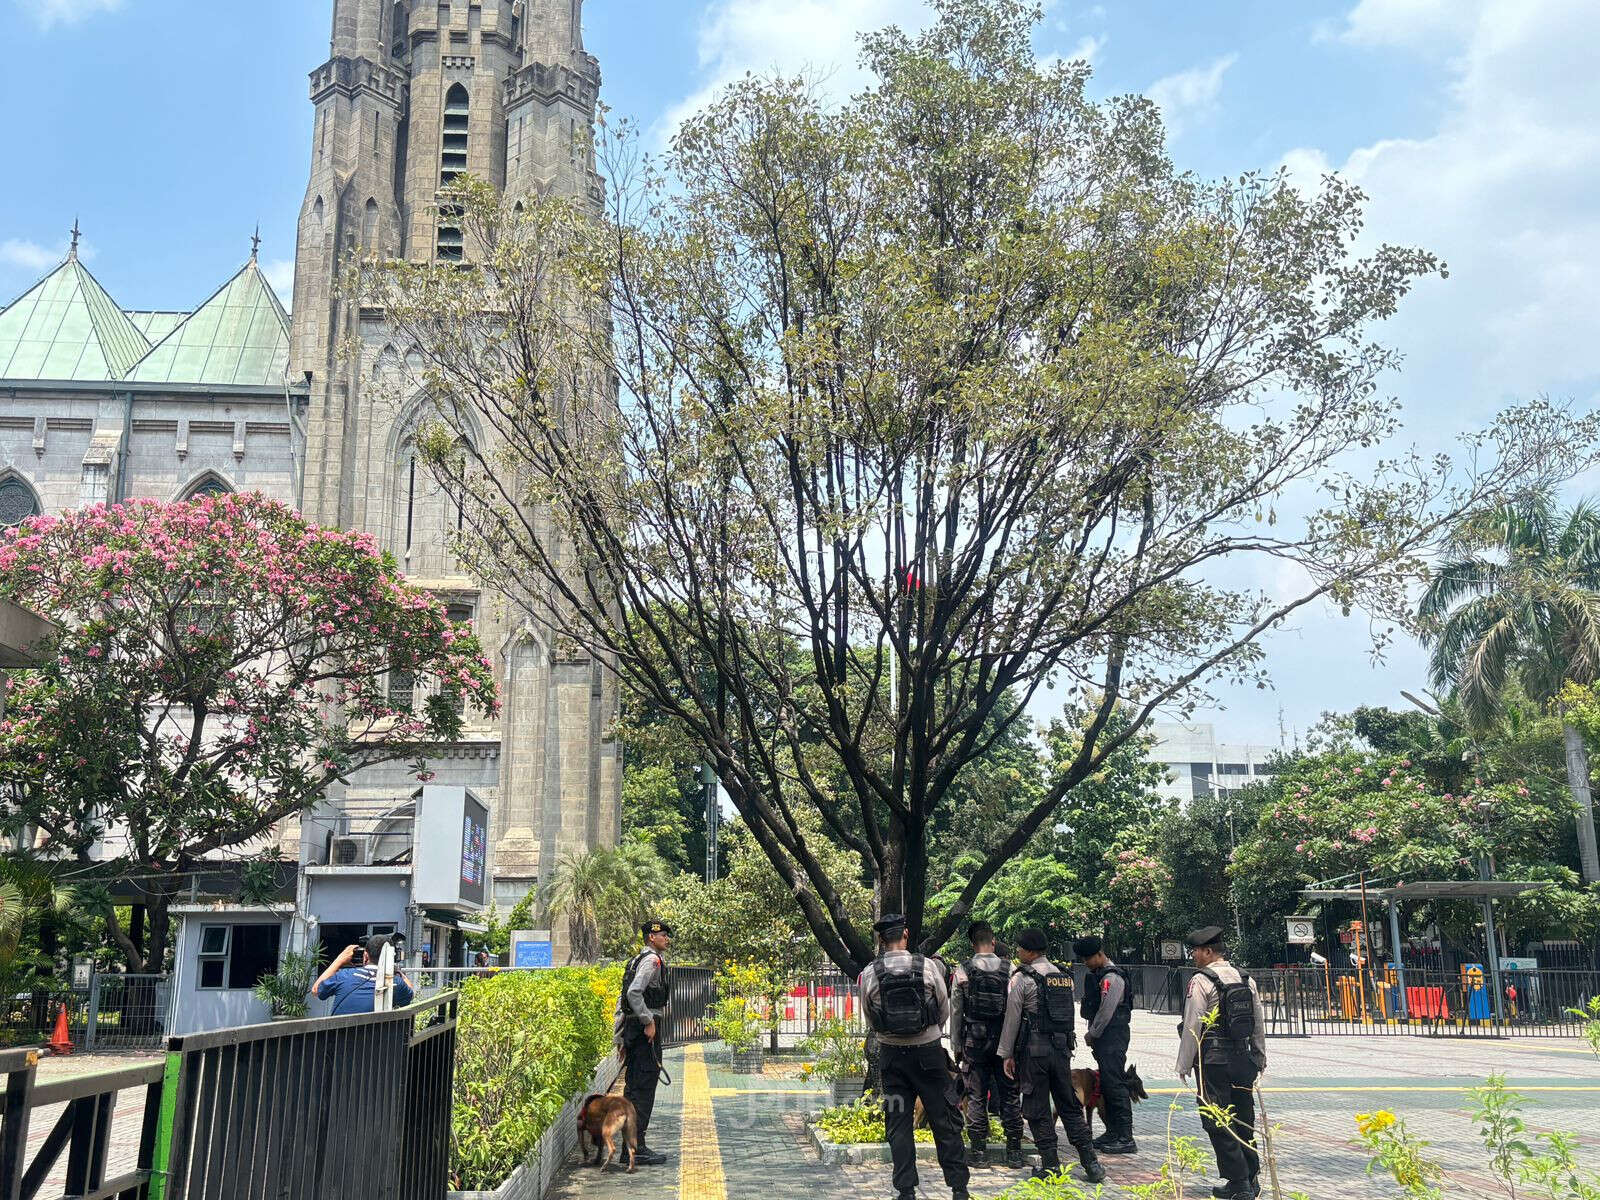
{"points": [[1312, 1090]]}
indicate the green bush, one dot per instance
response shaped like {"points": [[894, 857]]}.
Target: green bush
{"points": [[862, 1122], [527, 1042]]}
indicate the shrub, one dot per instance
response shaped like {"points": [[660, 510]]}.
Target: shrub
{"points": [[527, 1042], [838, 1050], [862, 1122]]}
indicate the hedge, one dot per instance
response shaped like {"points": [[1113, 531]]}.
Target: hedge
{"points": [[527, 1042]]}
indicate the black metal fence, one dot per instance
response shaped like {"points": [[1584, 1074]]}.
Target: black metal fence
{"points": [[296, 1110], [1299, 1001], [691, 993]]}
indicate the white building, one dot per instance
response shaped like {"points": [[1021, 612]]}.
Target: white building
{"points": [[1199, 765]]}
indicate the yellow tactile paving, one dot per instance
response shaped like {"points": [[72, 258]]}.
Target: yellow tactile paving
{"points": [[700, 1174]]}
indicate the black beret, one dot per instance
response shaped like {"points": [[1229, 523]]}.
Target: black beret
{"points": [[1210, 935], [650, 927], [1087, 947], [890, 924], [1032, 940]]}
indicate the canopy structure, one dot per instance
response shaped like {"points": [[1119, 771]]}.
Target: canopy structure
{"points": [[1484, 891]]}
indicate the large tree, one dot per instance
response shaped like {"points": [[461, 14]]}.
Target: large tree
{"points": [[220, 663], [1518, 593], [961, 387]]}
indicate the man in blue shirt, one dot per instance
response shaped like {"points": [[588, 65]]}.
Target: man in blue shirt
{"points": [[351, 987]]}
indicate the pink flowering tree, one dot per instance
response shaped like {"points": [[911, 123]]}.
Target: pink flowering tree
{"points": [[1138, 894], [1339, 814], [220, 663]]}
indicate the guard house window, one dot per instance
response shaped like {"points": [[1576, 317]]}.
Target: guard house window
{"points": [[237, 956], [17, 502], [452, 162]]}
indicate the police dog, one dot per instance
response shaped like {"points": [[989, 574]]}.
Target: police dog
{"points": [[599, 1118], [1086, 1083]]}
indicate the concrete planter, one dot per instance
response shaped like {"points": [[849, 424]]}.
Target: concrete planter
{"points": [[845, 1091], [747, 1062], [532, 1180]]}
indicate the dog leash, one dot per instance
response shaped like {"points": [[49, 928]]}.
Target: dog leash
{"points": [[661, 1067]]}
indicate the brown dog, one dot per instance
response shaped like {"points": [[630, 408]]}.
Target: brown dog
{"points": [[1086, 1083], [599, 1118]]}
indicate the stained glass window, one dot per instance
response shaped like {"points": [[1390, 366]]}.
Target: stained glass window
{"points": [[17, 502]]}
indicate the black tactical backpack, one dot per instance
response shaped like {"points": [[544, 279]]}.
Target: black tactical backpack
{"points": [[905, 1004], [985, 1002], [1235, 1029], [655, 992]]}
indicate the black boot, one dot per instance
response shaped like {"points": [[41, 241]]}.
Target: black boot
{"points": [[1049, 1164], [646, 1157], [1092, 1170], [1014, 1156], [978, 1156], [1118, 1146]]}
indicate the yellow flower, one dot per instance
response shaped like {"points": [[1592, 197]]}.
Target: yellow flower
{"points": [[1374, 1122]]}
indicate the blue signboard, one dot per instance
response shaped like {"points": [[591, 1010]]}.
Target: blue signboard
{"points": [[533, 954]]}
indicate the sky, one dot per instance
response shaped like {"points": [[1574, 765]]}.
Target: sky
{"points": [[171, 128]]}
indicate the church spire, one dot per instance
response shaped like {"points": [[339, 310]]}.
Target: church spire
{"points": [[72, 253], [255, 243], [555, 31]]}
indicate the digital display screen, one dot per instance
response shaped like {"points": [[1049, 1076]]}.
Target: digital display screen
{"points": [[474, 852]]}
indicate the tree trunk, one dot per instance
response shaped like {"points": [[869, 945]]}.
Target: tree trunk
{"points": [[1578, 781]]}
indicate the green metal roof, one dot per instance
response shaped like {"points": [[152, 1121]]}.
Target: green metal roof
{"points": [[239, 336], [155, 325], [67, 327]]}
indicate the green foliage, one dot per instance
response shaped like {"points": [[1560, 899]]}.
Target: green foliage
{"points": [[1589, 1014], [497, 932], [1547, 1160], [749, 999], [837, 1051], [862, 1123], [605, 894], [653, 812], [287, 991], [1041, 892], [528, 1042], [1400, 1154]]}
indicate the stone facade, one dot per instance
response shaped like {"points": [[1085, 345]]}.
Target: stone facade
{"points": [[412, 95]]}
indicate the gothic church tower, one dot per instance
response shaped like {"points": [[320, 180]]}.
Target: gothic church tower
{"points": [[415, 92]]}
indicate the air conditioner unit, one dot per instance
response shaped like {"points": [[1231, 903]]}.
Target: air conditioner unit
{"points": [[350, 852]]}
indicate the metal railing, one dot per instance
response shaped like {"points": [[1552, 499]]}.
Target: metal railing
{"points": [[1299, 1001], [356, 1105], [114, 1012], [691, 992], [81, 1130]]}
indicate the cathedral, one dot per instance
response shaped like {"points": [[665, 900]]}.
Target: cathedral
{"points": [[100, 404]]}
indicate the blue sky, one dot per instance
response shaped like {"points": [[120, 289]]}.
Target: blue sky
{"points": [[170, 127]]}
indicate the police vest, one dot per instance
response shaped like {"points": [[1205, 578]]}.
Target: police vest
{"points": [[1092, 995], [655, 992], [1055, 1014], [984, 1007], [906, 1005]]}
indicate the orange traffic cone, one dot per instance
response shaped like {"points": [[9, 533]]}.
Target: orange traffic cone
{"points": [[60, 1041]]}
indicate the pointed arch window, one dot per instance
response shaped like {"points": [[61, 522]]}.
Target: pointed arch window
{"points": [[453, 162], [18, 501], [369, 225], [207, 485]]}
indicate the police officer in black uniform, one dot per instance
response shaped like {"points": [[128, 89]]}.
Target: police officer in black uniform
{"points": [[1108, 1011], [1036, 1043], [977, 1008], [906, 1002], [641, 1017]]}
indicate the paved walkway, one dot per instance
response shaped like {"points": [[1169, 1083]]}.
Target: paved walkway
{"points": [[731, 1137]]}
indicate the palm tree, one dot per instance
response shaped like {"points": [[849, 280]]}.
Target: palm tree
{"points": [[1520, 590]]}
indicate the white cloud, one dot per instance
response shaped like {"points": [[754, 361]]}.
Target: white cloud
{"points": [[1190, 95], [29, 256], [280, 274], [1503, 189], [1087, 50], [791, 36], [50, 13]]}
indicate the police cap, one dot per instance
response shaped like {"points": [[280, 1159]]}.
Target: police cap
{"points": [[1210, 935], [1087, 947], [1032, 940], [890, 925], [657, 926]]}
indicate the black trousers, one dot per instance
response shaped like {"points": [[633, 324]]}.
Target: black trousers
{"points": [[641, 1072], [1111, 1059], [1234, 1143], [987, 1089], [912, 1073], [1047, 1076]]}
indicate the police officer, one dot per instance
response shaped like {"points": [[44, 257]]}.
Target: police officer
{"points": [[977, 1008], [1036, 1043], [1108, 1010], [905, 1000], [641, 1015], [1228, 1054]]}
